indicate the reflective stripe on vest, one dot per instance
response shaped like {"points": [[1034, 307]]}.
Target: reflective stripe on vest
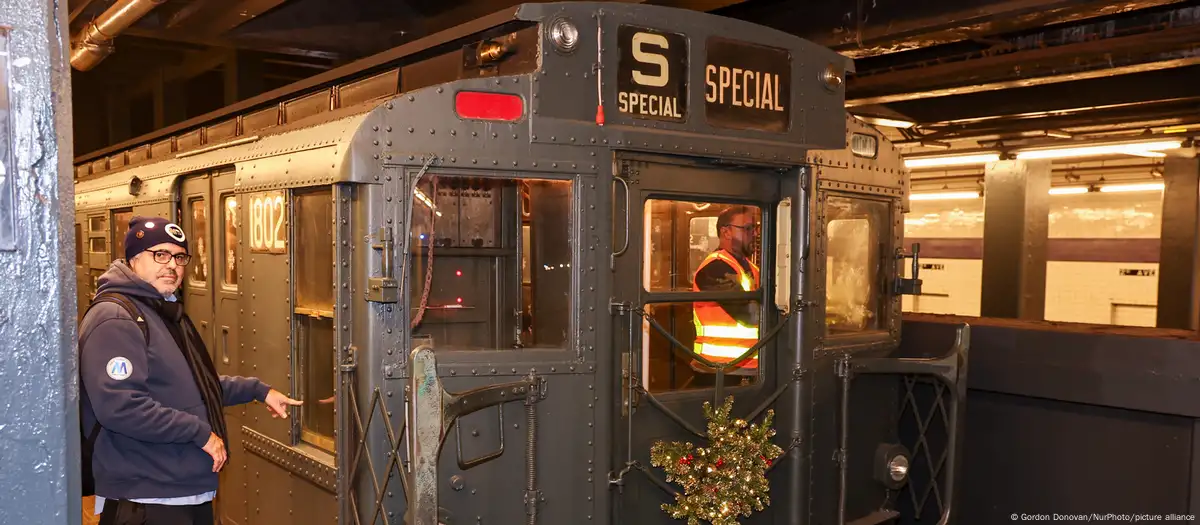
{"points": [[719, 337]]}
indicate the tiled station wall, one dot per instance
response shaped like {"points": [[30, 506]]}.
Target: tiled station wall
{"points": [[1103, 257]]}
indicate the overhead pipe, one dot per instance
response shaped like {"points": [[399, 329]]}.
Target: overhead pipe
{"points": [[93, 43]]}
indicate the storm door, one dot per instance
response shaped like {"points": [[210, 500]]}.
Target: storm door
{"points": [[197, 287], [693, 280]]}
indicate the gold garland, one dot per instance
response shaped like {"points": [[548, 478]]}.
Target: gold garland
{"points": [[727, 479]]}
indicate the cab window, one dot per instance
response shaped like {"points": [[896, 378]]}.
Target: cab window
{"points": [[312, 212], [694, 246], [491, 262], [856, 237]]}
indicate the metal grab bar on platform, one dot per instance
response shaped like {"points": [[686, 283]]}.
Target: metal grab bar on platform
{"points": [[950, 369]]}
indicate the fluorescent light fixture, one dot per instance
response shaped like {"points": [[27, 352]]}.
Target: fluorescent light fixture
{"points": [[1133, 148], [1068, 190], [951, 160], [1148, 186], [889, 122], [944, 195]]}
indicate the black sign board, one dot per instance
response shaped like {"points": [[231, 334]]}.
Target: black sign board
{"points": [[652, 74], [747, 86]]}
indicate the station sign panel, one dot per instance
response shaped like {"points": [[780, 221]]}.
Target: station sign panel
{"points": [[747, 86], [652, 74]]}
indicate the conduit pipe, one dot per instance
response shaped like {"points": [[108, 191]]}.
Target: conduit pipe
{"points": [[93, 43]]}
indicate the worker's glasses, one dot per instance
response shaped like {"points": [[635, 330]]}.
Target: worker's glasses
{"points": [[744, 227], [163, 257]]}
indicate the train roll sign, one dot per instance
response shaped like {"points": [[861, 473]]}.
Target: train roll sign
{"points": [[652, 74], [747, 86]]}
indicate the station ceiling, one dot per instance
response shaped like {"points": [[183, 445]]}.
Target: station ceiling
{"points": [[935, 74]]}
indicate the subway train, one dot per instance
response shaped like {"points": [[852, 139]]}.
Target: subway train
{"points": [[477, 259]]}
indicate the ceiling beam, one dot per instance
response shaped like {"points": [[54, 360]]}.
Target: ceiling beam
{"points": [[922, 94], [213, 18], [859, 29], [246, 44]]}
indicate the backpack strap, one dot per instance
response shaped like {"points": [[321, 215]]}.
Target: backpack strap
{"points": [[136, 314], [127, 304]]}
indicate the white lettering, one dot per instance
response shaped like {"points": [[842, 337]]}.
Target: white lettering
{"points": [[746, 88], [646, 104], [645, 57], [268, 212]]}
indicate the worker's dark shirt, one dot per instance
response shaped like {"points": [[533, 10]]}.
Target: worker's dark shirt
{"points": [[718, 275]]}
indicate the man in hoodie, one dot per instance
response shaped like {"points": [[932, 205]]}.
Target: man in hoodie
{"points": [[156, 396]]}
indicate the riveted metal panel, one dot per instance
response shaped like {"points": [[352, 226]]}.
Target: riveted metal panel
{"points": [[816, 115], [265, 323], [884, 171], [90, 197], [290, 458]]}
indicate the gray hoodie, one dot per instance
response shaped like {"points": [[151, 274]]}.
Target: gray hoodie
{"points": [[145, 398]]}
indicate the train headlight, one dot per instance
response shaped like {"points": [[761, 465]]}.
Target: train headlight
{"points": [[564, 35], [891, 465]]}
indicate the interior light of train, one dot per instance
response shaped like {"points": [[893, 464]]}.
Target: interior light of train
{"points": [[1131, 148], [480, 105], [944, 195], [951, 160], [427, 202], [1148, 186]]}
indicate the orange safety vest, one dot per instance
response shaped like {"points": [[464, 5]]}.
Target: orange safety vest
{"points": [[719, 337]]}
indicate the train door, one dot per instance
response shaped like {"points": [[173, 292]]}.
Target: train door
{"points": [[691, 283], [223, 281], [196, 202]]}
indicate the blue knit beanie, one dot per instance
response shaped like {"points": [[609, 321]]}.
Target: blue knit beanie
{"points": [[147, 232]]}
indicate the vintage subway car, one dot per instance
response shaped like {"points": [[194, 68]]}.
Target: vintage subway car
{"points": [[466, 256]]}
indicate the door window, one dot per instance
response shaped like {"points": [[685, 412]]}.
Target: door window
{"points": [[857, 241], [693, 247]]}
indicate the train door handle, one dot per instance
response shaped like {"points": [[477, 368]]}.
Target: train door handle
{"points": [[225, 344]]}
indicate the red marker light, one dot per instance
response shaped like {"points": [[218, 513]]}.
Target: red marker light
{"points": [[458, 273], [488, 106], [459, 299]]}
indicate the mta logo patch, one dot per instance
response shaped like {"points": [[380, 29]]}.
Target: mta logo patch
{"points": [[119, 368]]}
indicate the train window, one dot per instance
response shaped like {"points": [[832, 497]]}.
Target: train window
{"points": [[120, 225], [856, 242], [701, 246], [229, 244], [313, 267], [99, 245], [682, 235], [491, 264], [97, 224], [198, 270]]}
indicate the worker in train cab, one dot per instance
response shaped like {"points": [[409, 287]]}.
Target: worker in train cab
{"points": [[727, 329], [152, 398]]}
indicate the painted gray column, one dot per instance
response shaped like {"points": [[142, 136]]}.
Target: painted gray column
{"points": [[39, 443], [1015, 226], [1178, 260]]}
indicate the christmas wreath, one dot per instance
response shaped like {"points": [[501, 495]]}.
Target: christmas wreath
{"points": [[726, 480]]}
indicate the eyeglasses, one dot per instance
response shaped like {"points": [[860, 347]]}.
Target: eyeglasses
{"points": [[163, 257], [744, 227]]}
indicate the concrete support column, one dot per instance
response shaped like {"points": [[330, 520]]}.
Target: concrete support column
{"points": [[1178, 261], [243, 76], [39, 396], [1015, 226], [170, 100]]}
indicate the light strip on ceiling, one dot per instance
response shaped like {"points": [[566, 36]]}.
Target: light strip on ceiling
{"points": [[951, 160], [1068, 190], [944, 195], [1148, 186], [1135, 148]]}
